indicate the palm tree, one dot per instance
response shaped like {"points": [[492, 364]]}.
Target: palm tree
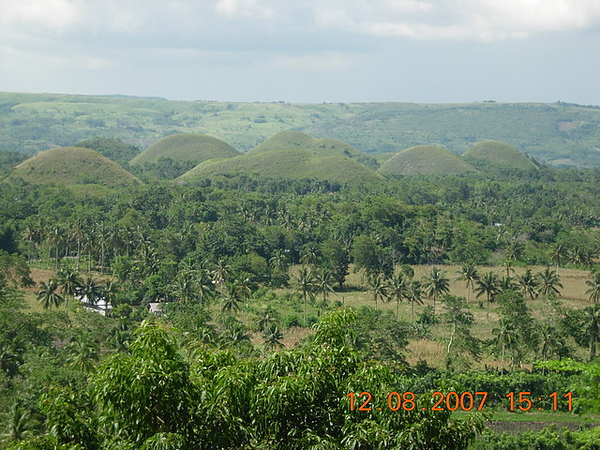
{"points": [[549, 282], [594, 284], [414, 295], [398, 289], [528, 285], [378, 286], [91, 290], [204, 285], [506, 338], [19, 424], [324, 283], [305, 283], [48, 296], [231, 298], [469, 274], [436, 283], [220, 274], [273, 336], [183, 287], [488, 285], [111, 292], [70, 283], [558, 253], [591, 327], [83, 352]]}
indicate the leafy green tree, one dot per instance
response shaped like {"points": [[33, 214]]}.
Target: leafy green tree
{"points": [[147, 391], [336, 259]]}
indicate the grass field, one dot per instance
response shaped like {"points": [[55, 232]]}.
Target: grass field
{"points": [[432, 350]]}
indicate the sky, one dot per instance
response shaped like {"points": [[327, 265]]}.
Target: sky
{"points": [[305, 51]]}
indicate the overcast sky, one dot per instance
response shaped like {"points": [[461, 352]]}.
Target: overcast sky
{"points": [[305, 50]]}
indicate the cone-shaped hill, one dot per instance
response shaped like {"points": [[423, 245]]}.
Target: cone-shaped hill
{"points": [[186, 147], [295, 140], [497, 154], [71, 165], [293, 164], [425, 160]]}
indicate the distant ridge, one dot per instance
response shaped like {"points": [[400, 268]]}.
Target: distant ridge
{"points": [[292, 164], [71, 165], [186, 147], [557, 134], [497, 154], [425, 160]]}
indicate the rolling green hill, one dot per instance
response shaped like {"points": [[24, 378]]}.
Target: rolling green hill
{"points": [[497, 154], [425, 160], [288, 140], [293, 164], [71, 165], [186, 147], [559, 134]]}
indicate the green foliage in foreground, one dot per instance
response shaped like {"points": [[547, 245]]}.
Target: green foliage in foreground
{"points": [[152, 397]]}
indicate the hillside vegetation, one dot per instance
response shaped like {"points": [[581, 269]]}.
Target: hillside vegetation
{"points": [[556, 134], [497, 154], [71, 165], [185, 147], [425, 160], [292, 164], [287, 140]]}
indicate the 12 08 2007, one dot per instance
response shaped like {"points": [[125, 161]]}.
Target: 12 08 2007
{"points": [[408, 401]]}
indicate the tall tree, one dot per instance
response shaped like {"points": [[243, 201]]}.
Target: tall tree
{"points": [[528, 285], [436, 284], [305, 284], [48, 295], [549, 282], [398, 289], [414, 295], [378, 286], [591, 327], [594, 284], [488, 284], [468, 273]]}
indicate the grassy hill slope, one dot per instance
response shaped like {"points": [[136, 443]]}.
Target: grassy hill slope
{"points": [[497, 154], [186, 147], [293, 164], [71, 165], [287, 140], [554, 133], [425, 160]]}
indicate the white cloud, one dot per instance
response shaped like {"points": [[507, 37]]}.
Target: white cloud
{"points": [[319, 62]]}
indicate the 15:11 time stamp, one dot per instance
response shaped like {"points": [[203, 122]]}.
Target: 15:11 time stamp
{"points": [[453, 401]]}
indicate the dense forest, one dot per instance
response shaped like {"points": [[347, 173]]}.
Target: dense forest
{"points": [[241, 311]]}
